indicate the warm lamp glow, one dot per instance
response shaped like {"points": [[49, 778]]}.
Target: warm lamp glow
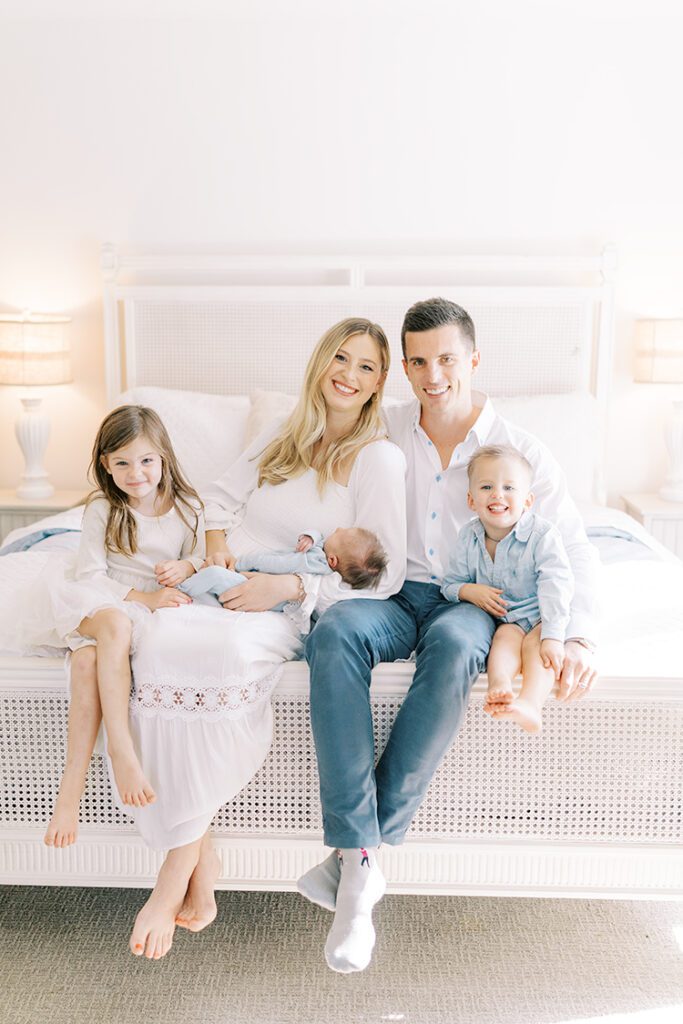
{"points": [[659, 351], [33, 350]]}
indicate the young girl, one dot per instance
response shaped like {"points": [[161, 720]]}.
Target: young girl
{"points": [[142, 535]]}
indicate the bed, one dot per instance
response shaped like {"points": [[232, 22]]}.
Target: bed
{"points": [[594, 805]]}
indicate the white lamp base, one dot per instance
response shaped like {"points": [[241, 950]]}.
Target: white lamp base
{"points": [[33, 430]]}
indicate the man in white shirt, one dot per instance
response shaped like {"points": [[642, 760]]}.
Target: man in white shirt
{"points": [[362, 808]]}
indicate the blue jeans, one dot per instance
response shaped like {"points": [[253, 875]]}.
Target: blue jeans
{"points": [[364, 806]]}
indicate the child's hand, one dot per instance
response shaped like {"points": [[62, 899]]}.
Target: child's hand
{"points": [[552, 655], [225, 559], [304, 543], [484, 597], [167, 598], [172, 572]]}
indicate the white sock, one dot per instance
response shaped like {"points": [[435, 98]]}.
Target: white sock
{"points": [[319, 885], [352, 936]]}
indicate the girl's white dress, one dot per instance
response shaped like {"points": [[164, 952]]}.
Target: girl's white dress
{"points": [[200, 710], [74, 586]]}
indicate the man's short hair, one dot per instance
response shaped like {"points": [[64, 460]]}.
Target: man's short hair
{"points": [[498, 451], [437, 312]]}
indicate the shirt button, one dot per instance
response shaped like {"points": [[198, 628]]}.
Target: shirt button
{"points": [[431, 551], [438, 479], [430, 444], [432, 577], [433, 515]]}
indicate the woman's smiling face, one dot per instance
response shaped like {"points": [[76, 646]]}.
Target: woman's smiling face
{"points": [[354, 375]]}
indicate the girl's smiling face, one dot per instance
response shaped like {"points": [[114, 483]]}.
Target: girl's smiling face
{"points": [[354, 375], [135, 469]]}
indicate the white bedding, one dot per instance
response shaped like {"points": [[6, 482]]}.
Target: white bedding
{"points": [[641, 633]]}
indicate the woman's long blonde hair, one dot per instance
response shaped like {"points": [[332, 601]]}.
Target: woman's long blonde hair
{"points": [[118, 429], [292, 453]]}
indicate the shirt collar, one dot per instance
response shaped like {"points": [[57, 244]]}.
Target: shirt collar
{"points": [[522, 529], [524, 525], [482, 425]]}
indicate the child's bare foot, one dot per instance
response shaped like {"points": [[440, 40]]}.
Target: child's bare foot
{"points": [[154, 926], [525, 714], [199, 908], [62, 828], [133, 787], [498, 695]]}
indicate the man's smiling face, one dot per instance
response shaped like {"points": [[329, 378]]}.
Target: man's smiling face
{"points": [[439, 364]]}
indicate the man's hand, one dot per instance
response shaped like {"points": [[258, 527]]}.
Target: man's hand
{"points": [[484, 597], [172, 572], [225, 559], [261, 592], [578, 672], [304, 543], [552, 655]]}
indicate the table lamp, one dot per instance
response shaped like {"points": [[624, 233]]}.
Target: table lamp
{"points": [[659, 360], [33, 351]]}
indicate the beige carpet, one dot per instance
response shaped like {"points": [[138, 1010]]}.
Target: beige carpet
{"points": [[438, 960]]}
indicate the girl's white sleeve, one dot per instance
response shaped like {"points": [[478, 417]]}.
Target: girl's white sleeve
{"points": [[91, 561], [194, 550], [378, 485], [225, 499]]}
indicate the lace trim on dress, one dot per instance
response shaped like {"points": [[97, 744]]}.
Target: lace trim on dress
{"points": [[217, 698]]}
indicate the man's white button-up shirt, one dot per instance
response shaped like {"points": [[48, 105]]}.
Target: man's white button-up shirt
{"points": [[437, 500]]}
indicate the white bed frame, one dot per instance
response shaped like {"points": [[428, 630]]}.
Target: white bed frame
{"points": [[591, 807]]}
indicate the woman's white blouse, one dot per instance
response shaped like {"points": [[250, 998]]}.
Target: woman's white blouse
{"points": [[270, 518]]}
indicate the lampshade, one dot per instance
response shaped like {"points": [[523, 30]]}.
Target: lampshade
{"points": [[659, 351], [34, 349]]}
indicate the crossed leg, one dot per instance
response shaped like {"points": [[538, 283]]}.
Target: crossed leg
{"points": [[503, 666], [152, 934], [112, 630], [199, 906], [537, 684]]}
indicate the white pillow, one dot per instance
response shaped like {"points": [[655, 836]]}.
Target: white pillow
{"points": [[207, 431], [571, 428]]}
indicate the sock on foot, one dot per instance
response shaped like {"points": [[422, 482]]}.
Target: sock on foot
{"points": [[319, 885], [352, 936]]}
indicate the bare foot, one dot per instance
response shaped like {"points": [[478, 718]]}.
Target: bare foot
{"points": [[62, 829], [525, 714], [154, 926], [133, 787], [199, 908], [498, 695]]}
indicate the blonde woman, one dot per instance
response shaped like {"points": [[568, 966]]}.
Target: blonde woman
{"points": [[201, 712]]}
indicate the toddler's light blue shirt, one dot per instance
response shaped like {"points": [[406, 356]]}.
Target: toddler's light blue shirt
{"points": [[531, 568]]}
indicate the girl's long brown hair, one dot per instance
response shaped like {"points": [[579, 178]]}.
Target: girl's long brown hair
{"points": [[118, 429]]}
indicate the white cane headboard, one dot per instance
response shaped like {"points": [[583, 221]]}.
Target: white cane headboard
{"points": [[230, 325]]}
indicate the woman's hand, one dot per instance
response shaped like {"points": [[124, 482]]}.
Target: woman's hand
{"points": [[225, 559], [173, 572], [261, 592]]}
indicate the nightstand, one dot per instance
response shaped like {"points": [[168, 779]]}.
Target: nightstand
{"points": [[663, 519], [15, 512]]}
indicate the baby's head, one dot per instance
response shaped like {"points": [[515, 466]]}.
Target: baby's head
{"points": [[499, 486], [357, 555]]}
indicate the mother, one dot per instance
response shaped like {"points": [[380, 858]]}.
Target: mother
{"points": [[201, 710]]}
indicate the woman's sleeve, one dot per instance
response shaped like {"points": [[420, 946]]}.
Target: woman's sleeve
{"points": [[91, 561], [225, 499], [378, 485]]}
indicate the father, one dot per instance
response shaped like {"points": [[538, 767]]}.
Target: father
{"points": [[363, 807]]}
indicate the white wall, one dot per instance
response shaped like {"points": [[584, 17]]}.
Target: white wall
{"points": [[391, 126]]}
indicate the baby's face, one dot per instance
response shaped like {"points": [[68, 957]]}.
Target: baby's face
{"points": [[499, 492]]}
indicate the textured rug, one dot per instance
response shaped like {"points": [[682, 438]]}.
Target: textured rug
{"points": [[438, 960]]}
